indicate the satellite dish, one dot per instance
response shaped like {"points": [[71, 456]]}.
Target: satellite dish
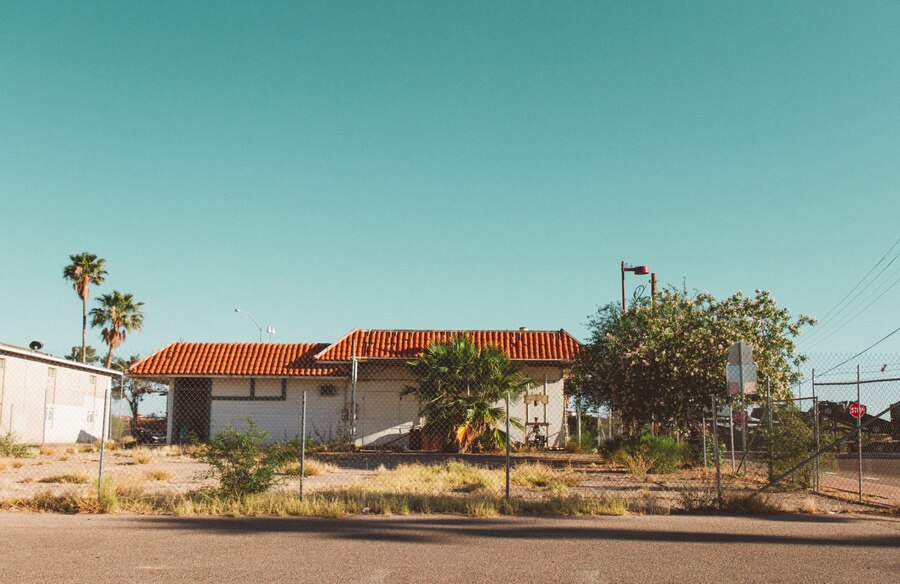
{"points": [[36, 345]]}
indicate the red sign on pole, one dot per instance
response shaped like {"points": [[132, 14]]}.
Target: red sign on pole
{"points": [[857, 410]]}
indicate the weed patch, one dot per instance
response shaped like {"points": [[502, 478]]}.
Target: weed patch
{"points": [[10, 447], [75, 478]]}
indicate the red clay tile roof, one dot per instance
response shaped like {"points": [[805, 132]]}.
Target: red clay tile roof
{"points": [[518, 345], [238, 359]]}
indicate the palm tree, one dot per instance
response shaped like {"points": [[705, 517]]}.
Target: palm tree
{"points": [[118, 314], [460, 389], [86, 268]]}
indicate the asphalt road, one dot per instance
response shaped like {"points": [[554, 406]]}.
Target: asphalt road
{"points": [[98, 549]]}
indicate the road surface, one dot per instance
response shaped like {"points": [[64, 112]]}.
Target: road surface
{"points": [[425, 549]]}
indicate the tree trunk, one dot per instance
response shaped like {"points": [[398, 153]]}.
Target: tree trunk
{"points": [[84, 330], [109, 357], [134, 405]]}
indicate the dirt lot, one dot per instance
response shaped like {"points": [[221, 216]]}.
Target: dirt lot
{"points": [[168, 469]]}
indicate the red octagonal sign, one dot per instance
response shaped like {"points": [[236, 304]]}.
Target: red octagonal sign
{"points": [[857, 410]]}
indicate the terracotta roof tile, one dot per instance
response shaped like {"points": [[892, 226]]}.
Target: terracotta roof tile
{"points": [[238, 359], [519, 345]]}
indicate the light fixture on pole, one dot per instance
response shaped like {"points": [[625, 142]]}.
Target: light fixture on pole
{"points": [[259, 326], [638, 270]]}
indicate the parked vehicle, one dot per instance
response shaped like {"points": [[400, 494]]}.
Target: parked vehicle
{"points": [[146, 436]]}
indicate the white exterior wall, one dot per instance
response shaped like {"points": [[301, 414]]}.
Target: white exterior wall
{"points": [[39, 408], [279, 418], [385, 416]]}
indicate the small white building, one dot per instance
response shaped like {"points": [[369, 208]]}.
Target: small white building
{"points": [[49, 400], [216, 384]]}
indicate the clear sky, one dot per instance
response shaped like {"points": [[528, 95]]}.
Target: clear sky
{"points": [[334, 165]]}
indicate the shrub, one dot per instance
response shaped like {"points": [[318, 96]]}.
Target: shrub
{"points": [[659, 454], [667, 454], [240, 463], [791, 442], [611, 447], [637, 462], [10, 447]]}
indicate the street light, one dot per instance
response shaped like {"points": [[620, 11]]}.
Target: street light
{"points": [[638, 270], [259, 326]]}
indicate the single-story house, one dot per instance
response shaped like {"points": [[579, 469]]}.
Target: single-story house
{"points": [[48, 400], [354, 387]]}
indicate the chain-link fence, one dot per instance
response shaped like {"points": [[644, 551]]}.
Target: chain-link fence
{"points": [[449, 430]]}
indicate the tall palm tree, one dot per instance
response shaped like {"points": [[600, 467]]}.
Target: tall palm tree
{"points": [[460, 390], [85, 269], [118, 314]]}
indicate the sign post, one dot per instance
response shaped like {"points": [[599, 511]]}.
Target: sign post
{"points": [[741, 376]]}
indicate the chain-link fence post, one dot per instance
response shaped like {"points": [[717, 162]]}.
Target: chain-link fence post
{"points": [[859, 435], [507, 445], [302, 444], [107, 411], [769, 416], [716, 451]]}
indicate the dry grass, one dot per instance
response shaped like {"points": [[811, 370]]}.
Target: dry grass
{"points": [[75, 478], [141, 456], [638, 464], [157, 474], [63, 458], [436, 479], [3, 465], [26, 480], [807, 505], [311, 468], [17, 464], [543, 476], [50, 450], [747, 504]]}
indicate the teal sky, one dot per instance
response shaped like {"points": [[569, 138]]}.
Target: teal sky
{"points": [[334, 165]]}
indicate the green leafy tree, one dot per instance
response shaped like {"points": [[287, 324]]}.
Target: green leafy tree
{"points": [[662, 364], [118, 314], [86, 354], [85, 269], [461, 390], [132, 390]]}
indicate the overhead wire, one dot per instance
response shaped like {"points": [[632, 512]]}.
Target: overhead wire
{"points": [[851, 318], [825, 322]]}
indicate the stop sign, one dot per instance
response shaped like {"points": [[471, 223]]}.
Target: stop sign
{"points": [[857, 410]]}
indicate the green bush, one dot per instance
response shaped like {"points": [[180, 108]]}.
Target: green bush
{"points": [[791, 442], [611, 447], [240, 462], [664, 454], [667, 454], [10, 447]]}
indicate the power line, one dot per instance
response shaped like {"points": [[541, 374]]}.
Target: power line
{"points": [[863, 309], [870, 347], [824, 322]]}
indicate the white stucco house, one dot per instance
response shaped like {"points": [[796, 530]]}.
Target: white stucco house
{"points": [[48, 400], [354, 386]]}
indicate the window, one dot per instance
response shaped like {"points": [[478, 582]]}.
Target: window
{"points": [[327, 390]]}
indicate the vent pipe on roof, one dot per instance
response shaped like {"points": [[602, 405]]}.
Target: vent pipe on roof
{"points": [[523, 328], [36, 345]]}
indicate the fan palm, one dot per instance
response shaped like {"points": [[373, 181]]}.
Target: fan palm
{"points": [[460, 388], [85, 269], [118, 314]]}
